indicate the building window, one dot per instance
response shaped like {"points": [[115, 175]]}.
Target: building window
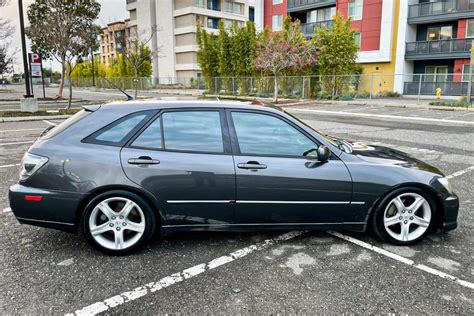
{"points": [[199, 3], [133, 14], [357, 39], [212, 23], [436, 74], [213, 5], [355, 9], [320, 15], [231, 7], [277, 22], [436, 33], [466, 68], [251, 14], [470, 28], [277, 1]]}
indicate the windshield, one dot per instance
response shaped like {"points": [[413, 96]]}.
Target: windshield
{"points": [[327, 138]]}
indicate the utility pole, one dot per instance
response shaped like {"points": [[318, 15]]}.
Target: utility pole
{"points": [[24, 52]]}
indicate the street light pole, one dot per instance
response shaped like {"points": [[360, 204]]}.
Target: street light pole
{"points": [[24, 52]]}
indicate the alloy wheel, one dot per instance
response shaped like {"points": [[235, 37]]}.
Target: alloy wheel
{"points": [[407, 217], [117, 223]]}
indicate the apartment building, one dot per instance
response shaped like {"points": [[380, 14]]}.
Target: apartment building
{"points": [[439, 38], [426, 40], [174, 43], [113, 41]]}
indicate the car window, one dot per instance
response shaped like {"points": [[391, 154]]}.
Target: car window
{"points": [[150, 137], [193, 131], [261, 134], [64, 125], [118, 132]]}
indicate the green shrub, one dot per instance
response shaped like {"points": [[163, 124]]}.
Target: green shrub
{"points": [[388, 94], [362, 95]]}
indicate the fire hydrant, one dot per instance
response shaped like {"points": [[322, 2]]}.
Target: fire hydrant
{"points": [[438, 93]]}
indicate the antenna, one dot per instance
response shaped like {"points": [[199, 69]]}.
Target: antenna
{"points": [[129, 97]]}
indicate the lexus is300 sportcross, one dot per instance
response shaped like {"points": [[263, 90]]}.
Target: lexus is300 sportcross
{"points": [[122, 171]]}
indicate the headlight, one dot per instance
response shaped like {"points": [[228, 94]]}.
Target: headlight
{"points": [[30, 164], [444, 181]]}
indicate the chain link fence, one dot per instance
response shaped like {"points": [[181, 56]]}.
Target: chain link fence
{"points": [[337, 87]]}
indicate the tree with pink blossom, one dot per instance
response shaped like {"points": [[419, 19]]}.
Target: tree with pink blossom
{"points": [[285, 50]]}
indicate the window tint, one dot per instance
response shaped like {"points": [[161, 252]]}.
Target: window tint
{"points": [[151, 136], [261, 134], [118, 132], [193, 131]]}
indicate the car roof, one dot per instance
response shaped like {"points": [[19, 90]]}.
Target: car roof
{"points": [[141, 105]]}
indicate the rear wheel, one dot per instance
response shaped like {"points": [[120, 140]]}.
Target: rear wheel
{"points": [[405, 216], [118, 222]]}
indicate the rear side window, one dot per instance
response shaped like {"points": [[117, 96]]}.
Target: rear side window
{"points": [[65, 124], [118, 132], [150, 137], [197, 131]]}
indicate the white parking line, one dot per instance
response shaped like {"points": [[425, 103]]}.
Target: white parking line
{"points": [[8, 166], [23, 130], [7, 210], [403, 118], [403, 259], [17, 143], [165, 282], [460, 172], [49, 123]]}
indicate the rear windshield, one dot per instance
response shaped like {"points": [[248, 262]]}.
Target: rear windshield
{"points": [[65, 124]]}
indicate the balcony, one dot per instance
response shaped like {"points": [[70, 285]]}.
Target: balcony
{"points": [[308, 28], [429, 88], [442, 49], [302, 5], [441, 11]]}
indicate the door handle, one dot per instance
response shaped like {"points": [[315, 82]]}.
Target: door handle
{"points": [[253, 165], [143, 160]]}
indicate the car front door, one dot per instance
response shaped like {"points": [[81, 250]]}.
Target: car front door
{"points": [[276, 183], [184, 159]]}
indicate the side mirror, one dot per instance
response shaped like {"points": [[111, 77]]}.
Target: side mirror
{"points": [[323, 153]]}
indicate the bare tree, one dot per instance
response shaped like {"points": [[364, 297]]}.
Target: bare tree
{"points": [[138, 55], [6, 32]]}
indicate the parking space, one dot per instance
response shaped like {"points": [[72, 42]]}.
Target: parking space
{"points": [[45, 271]]}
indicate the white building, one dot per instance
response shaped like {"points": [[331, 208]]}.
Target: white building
{"points": [[174, 43]]}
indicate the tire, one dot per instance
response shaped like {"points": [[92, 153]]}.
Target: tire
{"points": [[118, 222], [407, 223]]}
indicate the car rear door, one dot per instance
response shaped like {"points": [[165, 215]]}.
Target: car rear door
{"points": [[183, 157], [276, 184]]}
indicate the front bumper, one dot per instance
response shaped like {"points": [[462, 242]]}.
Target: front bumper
{"points": [[451, 210], [56, 209]]}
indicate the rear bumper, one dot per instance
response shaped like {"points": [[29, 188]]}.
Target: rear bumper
{"points": [[56, 209], [451, 209]]}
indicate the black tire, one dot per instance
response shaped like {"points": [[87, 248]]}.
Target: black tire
{"points": [[149, 214], [377, 220]]}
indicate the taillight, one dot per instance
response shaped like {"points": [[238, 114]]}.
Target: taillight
{"points": [[30, 164]]}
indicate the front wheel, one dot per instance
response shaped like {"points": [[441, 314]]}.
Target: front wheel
{"points": [[118, 222], [405, 216]]}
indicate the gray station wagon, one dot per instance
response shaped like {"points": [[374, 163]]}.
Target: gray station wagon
{"points": [[122, 171]]}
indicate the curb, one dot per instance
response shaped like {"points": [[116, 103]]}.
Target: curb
{"points": [[32, 118]]}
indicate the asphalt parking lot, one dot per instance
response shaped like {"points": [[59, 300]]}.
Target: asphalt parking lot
{"points": [[45, 271]]}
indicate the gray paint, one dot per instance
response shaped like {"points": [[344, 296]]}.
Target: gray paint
{"points": [[340, 192]]}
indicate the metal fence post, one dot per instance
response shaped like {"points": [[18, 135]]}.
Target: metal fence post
{"points": [[333, 86], [371, 85], [215, 86], [419, 87], [233, 85], [302, 90]]}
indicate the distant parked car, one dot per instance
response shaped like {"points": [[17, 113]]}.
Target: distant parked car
{"points": [[122, 171]]}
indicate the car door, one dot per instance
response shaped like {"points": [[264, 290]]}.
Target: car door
{"points": [[183, 157], [276, 183]]}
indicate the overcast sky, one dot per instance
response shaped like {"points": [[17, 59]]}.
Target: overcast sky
{"points": [[112, 10]]}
